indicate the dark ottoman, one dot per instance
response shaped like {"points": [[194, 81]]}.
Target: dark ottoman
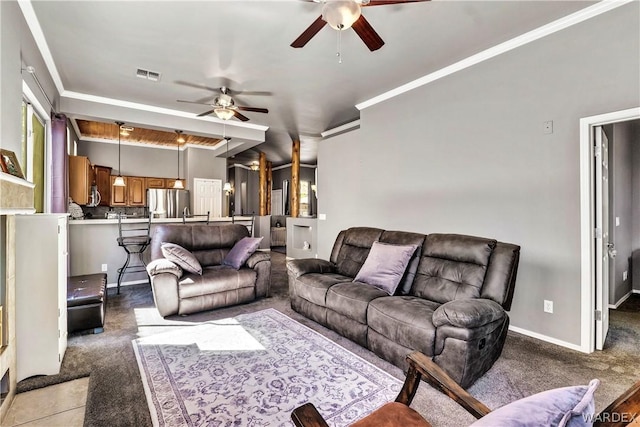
{"points": [[86, 302]]}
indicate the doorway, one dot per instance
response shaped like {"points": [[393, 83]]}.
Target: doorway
{"points": [[597, 252], [207, 197]]}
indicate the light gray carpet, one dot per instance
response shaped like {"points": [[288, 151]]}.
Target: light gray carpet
{"points": [[116, 395]]}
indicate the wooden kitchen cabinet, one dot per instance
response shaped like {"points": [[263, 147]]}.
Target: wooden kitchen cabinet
{"points": [[118, 194], [155, 182], [103, 182], [136, 191], [80, 179], [171, 181]]}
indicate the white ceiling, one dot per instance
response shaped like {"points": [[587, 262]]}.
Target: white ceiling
{"points": [[97, 46]]}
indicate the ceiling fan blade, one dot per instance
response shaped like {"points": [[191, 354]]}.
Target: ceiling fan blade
{"points": [[206, 113], [383, 2], [240, 116], [197, 86], [254, 109], [368, 35], [194, 102], [311, 31]]}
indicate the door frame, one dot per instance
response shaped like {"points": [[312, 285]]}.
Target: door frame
{"points": [[587, 220]]}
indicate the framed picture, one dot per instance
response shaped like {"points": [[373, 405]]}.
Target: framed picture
{"points": [[9, 163]]}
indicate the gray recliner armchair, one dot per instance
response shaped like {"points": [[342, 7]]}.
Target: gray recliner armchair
{"points": [[177, 291]]}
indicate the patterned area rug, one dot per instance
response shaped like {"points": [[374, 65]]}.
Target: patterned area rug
{"points": [[253, 370]]}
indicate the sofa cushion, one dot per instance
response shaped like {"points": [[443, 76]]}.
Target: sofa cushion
{"points": [[566, 406], [214, 280], [182, 257], [351, 299], [405, 320], [406, 238], [241, 251], [385, 266], [314, 286], [354, 250], [452, 267]]}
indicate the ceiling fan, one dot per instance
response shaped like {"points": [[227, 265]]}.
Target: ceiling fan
{"points": [[343, 14], [224, 107]]}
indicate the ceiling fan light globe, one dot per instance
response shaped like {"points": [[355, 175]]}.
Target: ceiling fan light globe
{"points": [[341, 14], [223, 113]]}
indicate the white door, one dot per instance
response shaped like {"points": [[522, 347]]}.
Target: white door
{"points": [[603, 248], [207, 197]]}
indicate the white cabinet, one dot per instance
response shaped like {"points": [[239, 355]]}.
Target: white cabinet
{"points": [[41, 293]]}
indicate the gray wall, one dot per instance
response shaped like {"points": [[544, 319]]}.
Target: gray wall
{"points": [[622, 168], [467, 154], [247, 203], [635, 205], [17, 50]]}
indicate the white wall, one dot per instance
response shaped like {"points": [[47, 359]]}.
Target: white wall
{"points": [[467, 154]]}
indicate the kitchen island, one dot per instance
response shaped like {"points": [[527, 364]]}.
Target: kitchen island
{"points": [[92, 245]]}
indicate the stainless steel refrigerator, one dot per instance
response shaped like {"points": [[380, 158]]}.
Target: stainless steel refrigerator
{"points": [[168, 203]]}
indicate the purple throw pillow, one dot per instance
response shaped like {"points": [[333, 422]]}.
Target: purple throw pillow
{"points": [[241, 251], [562, 407], [182, 257], [385, 266]]}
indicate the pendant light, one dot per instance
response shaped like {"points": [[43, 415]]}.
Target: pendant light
{"points": [[178, 183], [227, 185], [119, 181]]}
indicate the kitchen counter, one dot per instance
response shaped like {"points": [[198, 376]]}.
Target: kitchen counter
{"points": [[241, 219]]}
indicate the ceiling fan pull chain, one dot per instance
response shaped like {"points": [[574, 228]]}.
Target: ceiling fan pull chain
{"points": [[338, 54]]}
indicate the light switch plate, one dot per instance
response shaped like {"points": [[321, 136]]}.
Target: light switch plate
{"points": [[322, 217]]}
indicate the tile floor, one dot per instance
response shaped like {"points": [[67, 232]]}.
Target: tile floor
{"points": [[57, 405]]}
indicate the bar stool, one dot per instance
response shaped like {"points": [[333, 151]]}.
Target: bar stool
{"points": [[134, 237]]}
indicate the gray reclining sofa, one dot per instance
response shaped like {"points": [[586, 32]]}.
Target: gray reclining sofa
{"points": [[177, 291], [451, 303]]}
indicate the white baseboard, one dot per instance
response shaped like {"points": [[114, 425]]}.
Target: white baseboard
{"points": [[546, 338], [132, 282], [636, 291], [621, 300]]}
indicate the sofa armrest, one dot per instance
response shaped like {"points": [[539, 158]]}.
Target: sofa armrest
{"points": [[163, 265], [298, 267], [467, 313], [257, 257]]}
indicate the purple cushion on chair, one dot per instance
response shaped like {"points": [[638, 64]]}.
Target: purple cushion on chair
{"points": [[567, 406], [385, 266], [241, 251]]}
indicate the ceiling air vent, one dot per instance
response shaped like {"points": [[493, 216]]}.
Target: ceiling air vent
{"points": [[146, 74]]}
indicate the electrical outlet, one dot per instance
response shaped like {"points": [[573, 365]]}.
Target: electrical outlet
{"points": [[548, 306], [547, 127], [104, 267], [625, 275]]}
